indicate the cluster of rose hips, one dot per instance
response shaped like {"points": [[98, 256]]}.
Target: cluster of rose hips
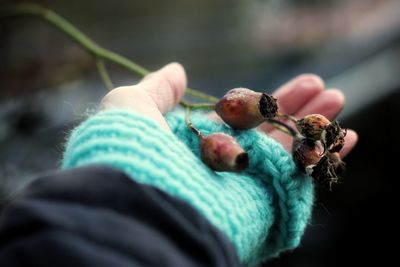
{"points": [[316, 142], [315, 149]]}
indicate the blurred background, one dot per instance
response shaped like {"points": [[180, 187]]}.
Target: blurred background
{"points": [[48, 84]]}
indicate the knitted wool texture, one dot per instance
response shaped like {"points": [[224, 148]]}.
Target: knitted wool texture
{"points": [[263, 211]]}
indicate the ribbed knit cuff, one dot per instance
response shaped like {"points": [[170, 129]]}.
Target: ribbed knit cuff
{"points": [[263, 211]]}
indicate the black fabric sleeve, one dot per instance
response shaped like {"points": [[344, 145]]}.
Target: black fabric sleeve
{"points": [[96, 216]]}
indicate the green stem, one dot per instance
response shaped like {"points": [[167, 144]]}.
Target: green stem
{"points": [[71, 31], [187, 116], [104, 74], [192, 106], [201, 95], [190, 125], [286, 116], [80, 38], [283, 127]]}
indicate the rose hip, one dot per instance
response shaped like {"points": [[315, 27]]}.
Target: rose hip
{"points": [[221, 152], [312, 126], [334, 137], [243, 108], [306, 153]]}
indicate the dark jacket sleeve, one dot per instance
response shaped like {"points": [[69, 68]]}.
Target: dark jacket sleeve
{"points": [[97, 216]]}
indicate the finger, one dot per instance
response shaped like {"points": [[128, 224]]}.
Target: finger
{"points": [[165, 86], [329, 103], [293, 95], [351, 140], [157, 93]]}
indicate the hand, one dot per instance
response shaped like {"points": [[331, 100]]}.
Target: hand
{"points": [[161, 91], [155, 95], [263, 210]]}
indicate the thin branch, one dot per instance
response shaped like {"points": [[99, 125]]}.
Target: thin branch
{"points": [[71, 31], [80, 38], [201, 95], [190, 125], [192, 106], [286, 116], [282, 127], [187, 117], [104, 74]]}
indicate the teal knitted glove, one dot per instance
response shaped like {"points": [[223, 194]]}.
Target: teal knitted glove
{"points": [[263, 210]]}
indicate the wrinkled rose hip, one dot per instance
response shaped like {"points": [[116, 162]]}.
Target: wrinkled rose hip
{"points": [[306, 153], [312, 126], [334, 137]]}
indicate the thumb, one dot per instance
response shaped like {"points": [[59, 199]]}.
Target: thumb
{"points": [[157, 93], [165, 86]]}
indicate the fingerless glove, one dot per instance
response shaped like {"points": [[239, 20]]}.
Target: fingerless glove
{"points": [[263, 211]]}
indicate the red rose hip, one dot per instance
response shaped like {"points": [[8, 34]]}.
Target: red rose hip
{"points": [[243, 108], [222, 152]]}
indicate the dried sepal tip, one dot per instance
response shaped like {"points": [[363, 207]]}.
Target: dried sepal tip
{"points": [[329, 169], [334, 137]]}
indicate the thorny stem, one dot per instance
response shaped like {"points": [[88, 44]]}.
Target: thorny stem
{"points": [[80, 38], [104, 74]]}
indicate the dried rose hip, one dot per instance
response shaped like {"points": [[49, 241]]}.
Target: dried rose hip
{"points": [[318, 127], [221, 152], [328, 169], [334, 137], [243, 108], [306, 153], [312, 126]]}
